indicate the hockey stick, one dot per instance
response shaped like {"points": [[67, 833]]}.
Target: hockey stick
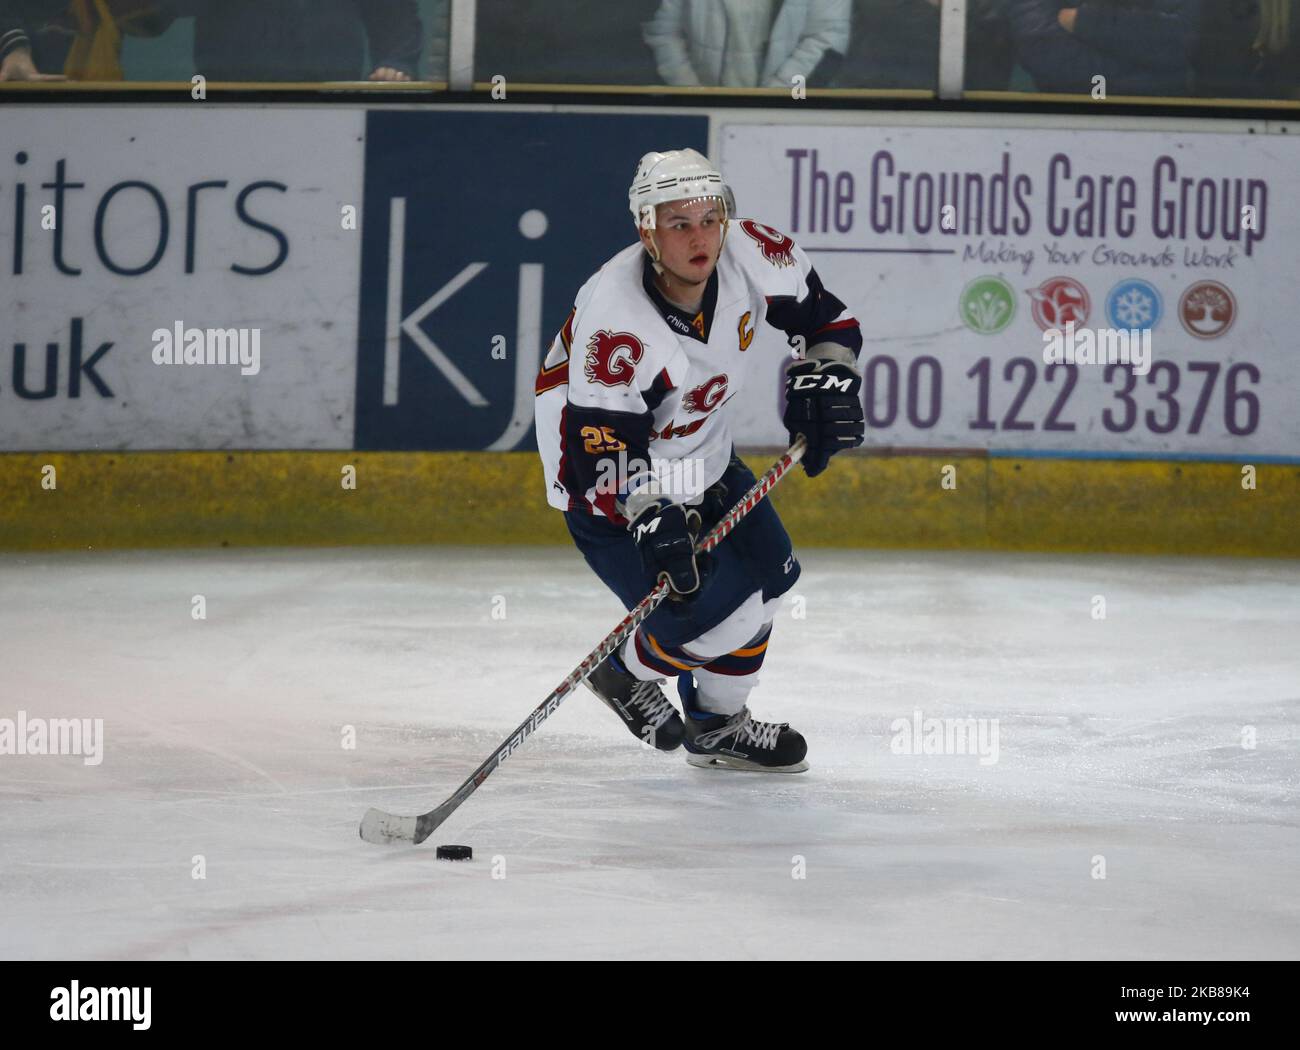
{"points": [[380, 827]]}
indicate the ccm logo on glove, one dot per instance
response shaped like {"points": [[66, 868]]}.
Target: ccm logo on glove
{"points": [[823, 403], [823, 381]]}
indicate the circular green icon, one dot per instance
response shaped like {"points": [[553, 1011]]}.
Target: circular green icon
{"points": [[988, 305]]}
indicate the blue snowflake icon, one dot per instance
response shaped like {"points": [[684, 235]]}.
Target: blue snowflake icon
{"points": [[1134, 304]]}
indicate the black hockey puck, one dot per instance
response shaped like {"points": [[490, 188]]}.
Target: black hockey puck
{"points": [[455, 853]]}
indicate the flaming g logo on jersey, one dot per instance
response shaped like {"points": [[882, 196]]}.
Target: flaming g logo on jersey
{"points": [[612, 357], [705, 397], [777, 247]]}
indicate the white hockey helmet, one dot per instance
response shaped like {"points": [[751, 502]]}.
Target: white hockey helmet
{"points": [[679, 174]]}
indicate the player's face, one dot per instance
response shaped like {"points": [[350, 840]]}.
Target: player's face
{"points": [[689, 235]]}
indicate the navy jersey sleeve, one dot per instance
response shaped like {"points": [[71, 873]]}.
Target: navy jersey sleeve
{"points": [[616, 380], [797, 302]]}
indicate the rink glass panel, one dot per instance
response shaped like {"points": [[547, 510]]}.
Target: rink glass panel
{"points": [[836, 44], [1203, 50], [1197, 51], [247, 41]]}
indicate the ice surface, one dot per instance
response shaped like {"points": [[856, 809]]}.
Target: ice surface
{"points": [[1119, 738]]}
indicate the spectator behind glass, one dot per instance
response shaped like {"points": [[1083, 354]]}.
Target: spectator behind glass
{"points": [[82, 39], [748, 43], [20, 20], [306, 40], [1249, 49], [895, 44], [1141, 47], [563, 41], [990, 55]]}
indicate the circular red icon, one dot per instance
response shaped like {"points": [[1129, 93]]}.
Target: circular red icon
{"points": [[1059, 301], [1207, 309]]}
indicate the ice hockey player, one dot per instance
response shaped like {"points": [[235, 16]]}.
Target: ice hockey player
{"points": [[638, 453]]}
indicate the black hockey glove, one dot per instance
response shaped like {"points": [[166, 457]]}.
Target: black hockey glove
{"points": [[823, 403], [665, 535]]}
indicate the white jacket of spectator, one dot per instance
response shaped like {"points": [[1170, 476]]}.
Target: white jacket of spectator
{"points": [[726, 42]]}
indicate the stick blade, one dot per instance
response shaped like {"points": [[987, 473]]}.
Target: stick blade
{"points": [[384, 828]]}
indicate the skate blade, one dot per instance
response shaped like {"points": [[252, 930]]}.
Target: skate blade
{"points": [[742, 764]]}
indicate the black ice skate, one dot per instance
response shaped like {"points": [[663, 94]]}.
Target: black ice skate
{"points": [[646, 712], [740, 742]]}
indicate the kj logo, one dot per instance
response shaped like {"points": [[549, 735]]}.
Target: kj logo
{"points": [[468, 271]]}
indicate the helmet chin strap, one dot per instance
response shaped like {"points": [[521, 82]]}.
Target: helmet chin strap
{"points": [[655, 254]]}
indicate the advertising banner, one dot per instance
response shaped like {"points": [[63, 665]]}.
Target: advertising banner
{"points": [[179, 277], [1049, 292], [319, 278]]}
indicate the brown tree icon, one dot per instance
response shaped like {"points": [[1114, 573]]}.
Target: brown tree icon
{"points": [[1207, 309]]}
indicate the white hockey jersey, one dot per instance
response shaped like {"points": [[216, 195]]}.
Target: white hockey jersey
{"points": [[632, 387]]}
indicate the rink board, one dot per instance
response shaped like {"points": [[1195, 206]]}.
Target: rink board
{"points": [[380, 304], [215, 499]]}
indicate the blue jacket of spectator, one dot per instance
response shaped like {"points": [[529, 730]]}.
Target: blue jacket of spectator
{"points": [[300, 39], [1141, 47]]}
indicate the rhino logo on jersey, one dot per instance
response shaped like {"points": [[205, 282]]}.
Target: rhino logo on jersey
{"points": [[612, 358], [705, 397], [778, 249]]}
